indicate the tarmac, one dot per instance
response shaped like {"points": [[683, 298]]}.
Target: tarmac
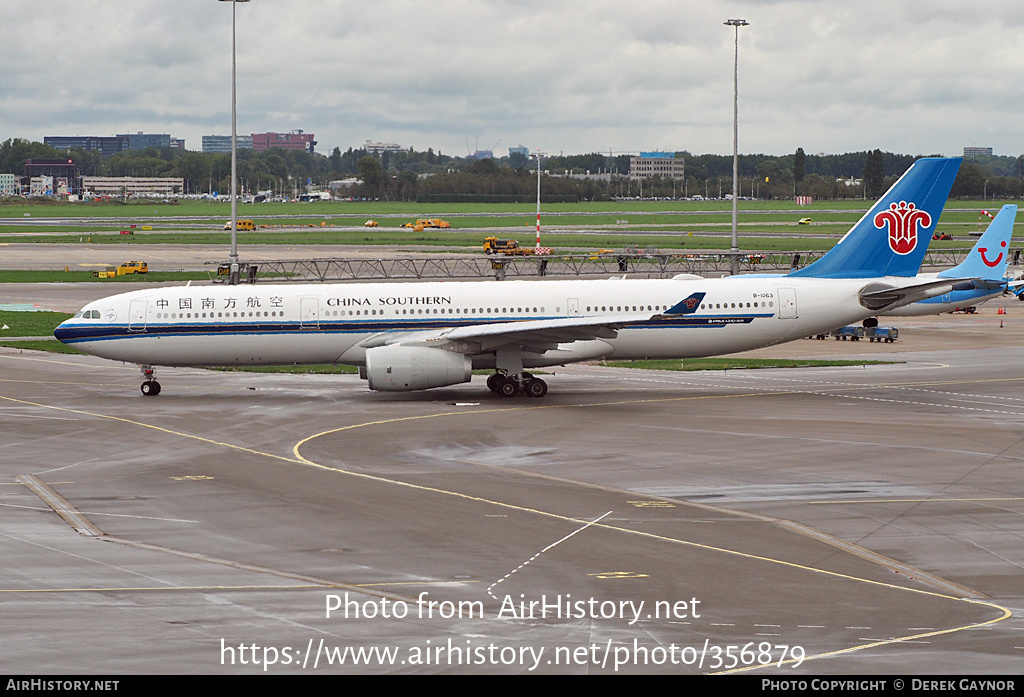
{"points": [[866, 519]]}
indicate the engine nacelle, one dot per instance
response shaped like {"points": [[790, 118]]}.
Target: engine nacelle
{"points": [[404, 368]]}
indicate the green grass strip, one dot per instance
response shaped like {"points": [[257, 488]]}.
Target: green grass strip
{"points": [[737, 363]]}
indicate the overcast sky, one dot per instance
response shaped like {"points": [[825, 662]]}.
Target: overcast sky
{"points": [[562, 76]]}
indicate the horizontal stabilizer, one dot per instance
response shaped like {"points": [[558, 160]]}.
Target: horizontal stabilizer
{"points": [[882, 296]]}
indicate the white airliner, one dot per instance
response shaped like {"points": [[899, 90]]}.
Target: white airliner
{"points": [[413, 336]]}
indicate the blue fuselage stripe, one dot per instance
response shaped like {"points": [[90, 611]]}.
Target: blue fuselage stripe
{"points": [[105, 332]]}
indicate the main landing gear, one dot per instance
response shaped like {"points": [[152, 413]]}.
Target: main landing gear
{"points": [[511, 385], [150, 387]]}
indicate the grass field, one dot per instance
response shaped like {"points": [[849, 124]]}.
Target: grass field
{"points": [[825, 237], [57, 276], [661, 225], [18, 208], [737, 363], [30, 323]]}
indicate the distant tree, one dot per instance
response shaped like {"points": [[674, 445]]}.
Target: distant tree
{"points": [[874, 174], [517, 160], [485, 167], [14, 152], [969, 182], [798, 165], [372, 175]]}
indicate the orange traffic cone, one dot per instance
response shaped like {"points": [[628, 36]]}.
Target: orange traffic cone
{"points": [[1002, 311]]}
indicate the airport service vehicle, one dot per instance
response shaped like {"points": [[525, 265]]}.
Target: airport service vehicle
{"points": [[853, 332], [243, 225], [413, 336], [130, 267], [882, 334], [982, 272], [492, 245], [371, 223], [804, 221], [428, 223]]}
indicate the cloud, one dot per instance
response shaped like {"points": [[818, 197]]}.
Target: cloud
{"points": [[560, 76]]}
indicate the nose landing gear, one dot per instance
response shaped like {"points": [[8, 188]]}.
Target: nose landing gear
{"points": [[150, 387]]}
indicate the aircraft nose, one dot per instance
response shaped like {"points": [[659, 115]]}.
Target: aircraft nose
{"points": [[64, 331]]}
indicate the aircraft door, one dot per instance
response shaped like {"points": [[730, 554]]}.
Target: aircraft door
{"points": [[309, 313], [137, 315], [573, 305], [787, 303]]}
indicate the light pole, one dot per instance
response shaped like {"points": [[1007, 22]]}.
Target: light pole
{"points": [[233, 258], [539, 155], [736, 23]]}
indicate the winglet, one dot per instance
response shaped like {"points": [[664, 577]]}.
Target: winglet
{"points": [[686, 306], [892, 237], [990, 255]]}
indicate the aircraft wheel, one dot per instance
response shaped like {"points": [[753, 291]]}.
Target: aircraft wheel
{"points": [[151, 388], [508, 388], [536, 388], [494, 382]]}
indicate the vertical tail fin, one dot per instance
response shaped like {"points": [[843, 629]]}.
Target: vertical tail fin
{"points": [[892, 237], [990, 255]]}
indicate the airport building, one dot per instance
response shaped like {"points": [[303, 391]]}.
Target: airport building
{"points": [[111, 145], [140, 140], [118, 186], [223, 143], [10, 185], [977, 152], [657, 164], [105, 145], [295, 140], [65, 173], [378, 148]]}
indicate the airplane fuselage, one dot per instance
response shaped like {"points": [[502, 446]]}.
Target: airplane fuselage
{"points": [[336, 323]]}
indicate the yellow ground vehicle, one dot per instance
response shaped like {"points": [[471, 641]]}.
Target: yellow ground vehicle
{"points": [[428, 222], [370, 223], [243, 225], [492, 245], [132, 267], [804, 221]]}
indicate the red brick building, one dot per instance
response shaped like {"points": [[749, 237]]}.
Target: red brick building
{"points": [[296, 140]]}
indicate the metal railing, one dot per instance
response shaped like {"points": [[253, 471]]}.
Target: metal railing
{"points": [[644, 265]]}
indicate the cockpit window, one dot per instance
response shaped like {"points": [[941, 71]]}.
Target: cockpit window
{"points": [[88, 314]]}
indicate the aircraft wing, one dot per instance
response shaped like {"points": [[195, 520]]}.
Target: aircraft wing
{"points": [[538, 335], [533, 335]]}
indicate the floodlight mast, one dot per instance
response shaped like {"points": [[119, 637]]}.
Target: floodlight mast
{"points": [[538, 156], [735, 249], [233, 257]]}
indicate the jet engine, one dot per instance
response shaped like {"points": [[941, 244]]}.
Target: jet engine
{"points": [[404, 368]]}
